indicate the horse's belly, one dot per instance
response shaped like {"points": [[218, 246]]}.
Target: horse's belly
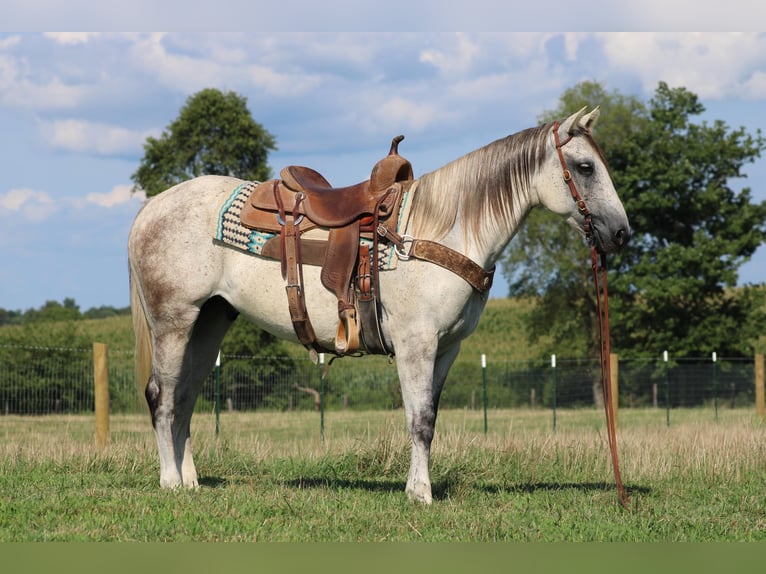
{"points": [[254, 286]]}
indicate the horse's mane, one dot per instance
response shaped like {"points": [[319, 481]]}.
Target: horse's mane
{"points": [[486, 188]]}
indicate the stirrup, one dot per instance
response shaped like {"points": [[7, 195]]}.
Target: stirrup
{"points": [[347, 336]]}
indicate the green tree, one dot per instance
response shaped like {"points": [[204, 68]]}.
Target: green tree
{"points": [[214, 134], [674, 286], [105, 311], [68, 310]]}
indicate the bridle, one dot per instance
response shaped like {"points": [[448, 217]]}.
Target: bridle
{"points": [[598, 265]]}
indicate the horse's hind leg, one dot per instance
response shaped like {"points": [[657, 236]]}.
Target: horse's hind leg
{"points": [[183, 358]]}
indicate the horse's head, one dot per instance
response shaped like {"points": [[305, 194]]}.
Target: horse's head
{"points": [[579, 186]]}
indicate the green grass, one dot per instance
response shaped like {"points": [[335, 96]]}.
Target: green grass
{"points": [[270, 477]]}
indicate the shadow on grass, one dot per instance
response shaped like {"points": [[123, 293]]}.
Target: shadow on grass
{"points": [[315, 482], [370, 485], [213, 482], [531, 488], [441, 489]]}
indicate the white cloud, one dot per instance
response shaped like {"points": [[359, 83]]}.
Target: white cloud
{"points": [[712, 65], [71, 38], [92, 137], [407, 115], [572, 41], [453, 59], [31, 205], [213, 63], [120, 194], [755, 86], [19, 91], [9, 42]]}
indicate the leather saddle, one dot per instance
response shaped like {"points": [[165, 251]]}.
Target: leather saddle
{"points": [[302, 200]]}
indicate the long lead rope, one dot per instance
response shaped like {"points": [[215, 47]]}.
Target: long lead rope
{"points": [[598, 264]]}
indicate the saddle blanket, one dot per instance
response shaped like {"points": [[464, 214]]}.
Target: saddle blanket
{"points": [[230, 231]]}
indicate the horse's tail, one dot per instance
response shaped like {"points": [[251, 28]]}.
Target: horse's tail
{"points": [[143, 349]]}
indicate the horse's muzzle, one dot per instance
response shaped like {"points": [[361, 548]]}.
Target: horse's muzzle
{"points": [[607, 241]]}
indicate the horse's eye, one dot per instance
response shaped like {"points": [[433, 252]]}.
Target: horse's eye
{"points": [[585, 168]]}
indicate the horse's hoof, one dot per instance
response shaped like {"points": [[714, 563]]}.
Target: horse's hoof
{"points": [[420, 494]]}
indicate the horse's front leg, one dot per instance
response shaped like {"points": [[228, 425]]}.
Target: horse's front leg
{"points": [[422, 375]]}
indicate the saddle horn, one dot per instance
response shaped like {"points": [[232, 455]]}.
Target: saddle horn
{"points": [[395, 145]]}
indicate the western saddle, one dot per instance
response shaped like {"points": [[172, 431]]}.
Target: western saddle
{"points": [[303, 200]]}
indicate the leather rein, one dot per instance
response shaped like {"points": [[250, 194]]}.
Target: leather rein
{"points": [[598, 266]]}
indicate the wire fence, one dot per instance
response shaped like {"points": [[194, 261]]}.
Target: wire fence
{"points": [[38, 381]]}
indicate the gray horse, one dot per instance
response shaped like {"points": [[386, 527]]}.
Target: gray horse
{"points": [[186, 289]]}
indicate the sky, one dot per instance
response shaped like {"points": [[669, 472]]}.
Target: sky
{"points": [[76, 108]]}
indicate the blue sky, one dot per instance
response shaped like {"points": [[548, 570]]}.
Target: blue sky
{"points": [[75, 109]]}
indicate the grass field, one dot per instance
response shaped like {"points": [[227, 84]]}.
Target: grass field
{"points": [[271, 477]]}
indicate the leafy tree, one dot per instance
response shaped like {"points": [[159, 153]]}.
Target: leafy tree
{"points": [[214, 134], [69, 310], [674, 286], [10, 317], [105, 311]]}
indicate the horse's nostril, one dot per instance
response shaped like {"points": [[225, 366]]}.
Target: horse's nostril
{"points": [[622, 236]]}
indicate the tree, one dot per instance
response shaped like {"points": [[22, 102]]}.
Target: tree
{"points": [[69, 310], [675, 285], [214, 134]]}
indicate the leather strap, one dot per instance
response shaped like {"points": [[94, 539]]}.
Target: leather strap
{"points": [[583, 209], [473, 273], [602, 305], [292, 268], [369, 307]]}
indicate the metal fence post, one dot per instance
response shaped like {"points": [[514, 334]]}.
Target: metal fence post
{"points": [[217, 392], [760, 401], [321, 394], [715, 385], [555, 384], [484, 387], [667, 388]]}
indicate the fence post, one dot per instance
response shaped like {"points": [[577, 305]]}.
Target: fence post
{"points": [[217, 392], [760, 407], [614, 371], [715, 384], [101, 394], [667, 388], [484, 387], [322, 374], [555, 385]]}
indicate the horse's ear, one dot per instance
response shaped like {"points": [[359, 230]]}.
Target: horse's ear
{"points": [[589, 120], [569, 125]]}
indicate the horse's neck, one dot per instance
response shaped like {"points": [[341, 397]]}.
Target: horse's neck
{"points": [[483, 243]]}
